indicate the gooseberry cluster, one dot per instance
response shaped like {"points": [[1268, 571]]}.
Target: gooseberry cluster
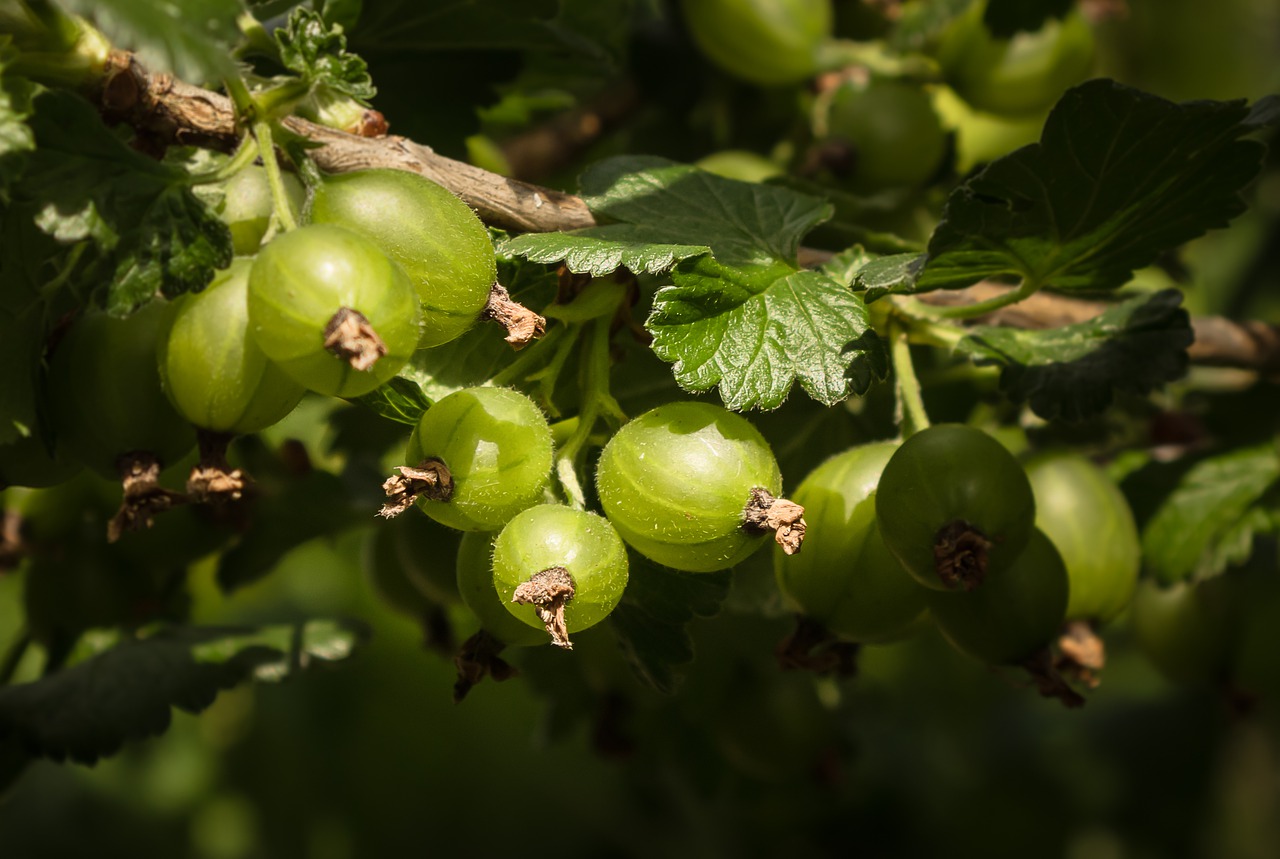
{"points": [[688, 485], [336, 306], [945, 525]]}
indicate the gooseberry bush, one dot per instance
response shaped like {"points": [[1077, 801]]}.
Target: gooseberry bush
{"points": [[906, 357]]}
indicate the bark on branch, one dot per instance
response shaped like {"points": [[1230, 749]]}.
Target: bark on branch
{"points": [[172, 111]]}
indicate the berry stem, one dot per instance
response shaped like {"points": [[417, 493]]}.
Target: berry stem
{"points": [[244, 155], [1028, 287], [521, 367], [283, 208], [596, 399], [912, 414]]}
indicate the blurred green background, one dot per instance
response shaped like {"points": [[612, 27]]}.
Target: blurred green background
{"points": [[924, 753]]}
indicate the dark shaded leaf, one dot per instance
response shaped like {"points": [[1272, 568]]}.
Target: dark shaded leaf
{"points": [[1119, 177], [89, 711], [16, 139], [651, 619], [1074, 371], [656, 201], [399, 400], [179, 244], [479, 354], [1004, 18], [151, 234], [190, 38], [1209, 522], [317, 504]]}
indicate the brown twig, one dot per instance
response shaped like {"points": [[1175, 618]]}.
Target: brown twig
{"points": [[1219, 342], [172, 111]]}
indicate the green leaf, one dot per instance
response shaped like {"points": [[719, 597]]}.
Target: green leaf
{"points": [[667, 203], [16, 139], [651, 619], [1004, 18], [89, 711], [896, 274], [598, 251], [844, 266], [1209, 522], [1074, 371], [179, 244], [190, 38], [754, 331], [399, 400], [317, 52], [1119, 177], [153, 235]]}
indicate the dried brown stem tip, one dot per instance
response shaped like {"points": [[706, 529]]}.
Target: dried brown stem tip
{"points": [[1049, 683], [549, 592], [812, 647], [213, 480], [431, 478], [960, 555], [476, 659], [143, 495], [784, 518], [350, 336], [1082, 653], [12, 547], [522, 324]]}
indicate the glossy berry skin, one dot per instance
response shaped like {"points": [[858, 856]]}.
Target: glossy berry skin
{"points": [[1185, 629], [845, 578], [105, 394], [478, 592], [215, 374], [434, 236], [583, 543], [1089, 521], [952, 473], [676, 480], [247, 206], [1014, 613], [895, 136], [767, 42], [498, 449], [1020, 76], [301, 279]]}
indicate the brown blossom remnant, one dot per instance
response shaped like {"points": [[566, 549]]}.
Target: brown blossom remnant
{"points": [[812, 647], [1082, 653], [350, 336], [960, 553], [431, 478], [12, 547], [1048, 682], [549, 591], [213, 480], [143, 495], [522, 324], [476, 659], [784, 518], [371, 124]]}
